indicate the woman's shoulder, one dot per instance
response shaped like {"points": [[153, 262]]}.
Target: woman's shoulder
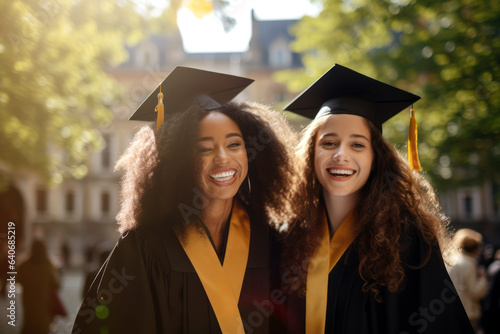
{"points": [[150, 235], [419, 251], [143, 244], [124, 285]]}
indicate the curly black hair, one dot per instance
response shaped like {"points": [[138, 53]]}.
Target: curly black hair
{"points": [[159, 183]]}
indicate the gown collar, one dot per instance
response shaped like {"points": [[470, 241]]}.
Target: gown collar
{"points": [[322, 262], [222, 282]]}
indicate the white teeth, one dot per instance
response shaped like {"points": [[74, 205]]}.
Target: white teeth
{"points": [[344, 172], [224, 176]]}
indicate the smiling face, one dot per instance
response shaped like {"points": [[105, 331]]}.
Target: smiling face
{"points": [[343, 155], [221, 157]]}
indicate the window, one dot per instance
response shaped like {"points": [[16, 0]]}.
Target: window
{"points": [[41, 200], [279, 95], [147, 55], [147, 58], [70, 202], [495, 189], [279, 54], [468, 206], [105, 202], [106, 153]]}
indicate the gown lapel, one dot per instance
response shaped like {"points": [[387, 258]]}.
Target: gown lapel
{"points": [[222, 283], [320, 265]]}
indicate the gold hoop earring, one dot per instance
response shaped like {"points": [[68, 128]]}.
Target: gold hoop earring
{"points": [[249, 186]]}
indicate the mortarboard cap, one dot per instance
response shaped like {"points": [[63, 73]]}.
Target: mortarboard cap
{"points": [[184, 86], [344, 91]]}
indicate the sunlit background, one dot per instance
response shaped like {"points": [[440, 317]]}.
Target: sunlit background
{"points": [[72, 72]]}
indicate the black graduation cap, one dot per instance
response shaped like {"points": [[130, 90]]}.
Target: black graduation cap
{"points": [[184, 86], [344, 91]]}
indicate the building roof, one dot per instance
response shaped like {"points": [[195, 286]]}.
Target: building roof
{"points": [[265, 34]]}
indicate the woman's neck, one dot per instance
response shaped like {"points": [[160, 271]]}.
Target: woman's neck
{"points": [[215, 217], [337, 208]]}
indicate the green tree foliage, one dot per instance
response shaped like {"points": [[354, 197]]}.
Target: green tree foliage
{"points": [[53, 92], [445, 51]]}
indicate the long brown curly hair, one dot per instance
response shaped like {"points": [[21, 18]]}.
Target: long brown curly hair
{"points": [[393, 200], [159, 181]]}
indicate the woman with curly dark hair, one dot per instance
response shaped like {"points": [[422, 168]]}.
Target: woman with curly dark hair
{"points": [[367, 251], [201, 197]]}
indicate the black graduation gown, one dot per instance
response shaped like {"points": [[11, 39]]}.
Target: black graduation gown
{"points": [[428, 304], [148, 285]]}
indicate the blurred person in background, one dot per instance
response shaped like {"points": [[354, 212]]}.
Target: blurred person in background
{"points": [[4, 266], [490, 305], [494, 266], [486, 255], [65, 254], [470, 281], [40, 282], [490, 318]]}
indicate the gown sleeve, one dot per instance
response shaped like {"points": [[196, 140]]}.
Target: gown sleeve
{"points": [[429, 302], [120, 299]]}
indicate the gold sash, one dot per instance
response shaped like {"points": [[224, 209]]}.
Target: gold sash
{"points": [[322, 262], [222, 283]]}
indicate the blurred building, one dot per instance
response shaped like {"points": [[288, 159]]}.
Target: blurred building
{"points": [[477, 208]]}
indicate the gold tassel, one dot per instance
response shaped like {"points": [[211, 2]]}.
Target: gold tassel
{"points": [[412, 143], [160, 110]]}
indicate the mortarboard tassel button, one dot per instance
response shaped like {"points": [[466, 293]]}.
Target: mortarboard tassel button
{"points": [[412, 143], [159, 110]]}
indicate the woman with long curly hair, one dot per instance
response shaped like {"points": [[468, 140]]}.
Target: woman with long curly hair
{"points": [[201, 197], [367, 250]]}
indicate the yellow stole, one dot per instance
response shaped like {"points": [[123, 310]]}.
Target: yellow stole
{"points": [[320, 265], [222, 283]]}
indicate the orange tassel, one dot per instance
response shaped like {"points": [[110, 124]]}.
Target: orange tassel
{"points": [[160, 110], [412, 143]]}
